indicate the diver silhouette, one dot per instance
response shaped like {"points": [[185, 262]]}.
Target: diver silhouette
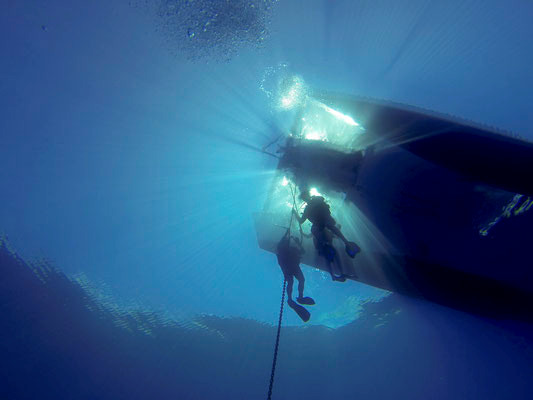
{"points": [[323, 225], [289, 261]]}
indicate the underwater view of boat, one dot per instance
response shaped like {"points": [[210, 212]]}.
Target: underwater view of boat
{"points": [[437, 205]]}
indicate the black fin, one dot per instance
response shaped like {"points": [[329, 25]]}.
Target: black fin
{"points": [[306, 300], [301, 311], [352, 249]]}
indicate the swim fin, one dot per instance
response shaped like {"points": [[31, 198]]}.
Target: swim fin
{"points": [[301, 311], [340, 278], [352, 249], [306, 300]]}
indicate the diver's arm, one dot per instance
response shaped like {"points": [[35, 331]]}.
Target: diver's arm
{"points": [[301, 219]]}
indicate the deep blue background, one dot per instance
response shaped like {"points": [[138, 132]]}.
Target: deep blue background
{"points": [[57, 341]]}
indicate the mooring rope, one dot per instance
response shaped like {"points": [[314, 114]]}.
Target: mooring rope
{"points": [[276, 347], [292, 214], [277, 343]]}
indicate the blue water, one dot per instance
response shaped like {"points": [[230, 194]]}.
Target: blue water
{"points": [[122, 164]]}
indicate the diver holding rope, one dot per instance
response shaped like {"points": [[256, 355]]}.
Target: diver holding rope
{"points": [[289, 257]]}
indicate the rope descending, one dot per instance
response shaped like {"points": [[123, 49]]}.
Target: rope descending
{"points": [[277, 343], [276, 347]]}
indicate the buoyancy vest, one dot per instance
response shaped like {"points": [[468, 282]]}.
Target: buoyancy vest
{"points": [[318, 211]]}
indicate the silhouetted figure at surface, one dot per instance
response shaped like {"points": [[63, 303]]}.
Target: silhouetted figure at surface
{"points": [[323, 227], [289, 260]]}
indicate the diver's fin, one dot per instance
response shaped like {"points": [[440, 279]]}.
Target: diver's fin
{"points": [[340, 278], [301, 311], [308, 301], [352, 249]]}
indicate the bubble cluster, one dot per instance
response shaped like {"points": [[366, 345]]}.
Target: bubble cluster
{"points": [[213, 29], [284, 89]]}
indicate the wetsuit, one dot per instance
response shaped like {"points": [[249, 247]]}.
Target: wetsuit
{"points": [[289, 261], [317, 211]]}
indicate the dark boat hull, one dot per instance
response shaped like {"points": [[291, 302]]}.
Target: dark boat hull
{"points": [[418, 198]]}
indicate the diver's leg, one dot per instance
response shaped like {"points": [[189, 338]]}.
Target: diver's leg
{"points": [[301, 311], [324, 249], [341, 277], [333, 228], [323, 245], [315, 242], [330, 268], [318, 241], [290, 282], [351, 248], [301, 282]]}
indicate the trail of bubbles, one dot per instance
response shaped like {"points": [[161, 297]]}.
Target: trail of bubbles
{"points": [[213, 30]]}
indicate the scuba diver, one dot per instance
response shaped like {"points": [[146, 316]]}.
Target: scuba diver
{"points": [[289, 261], [323, 226]]}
